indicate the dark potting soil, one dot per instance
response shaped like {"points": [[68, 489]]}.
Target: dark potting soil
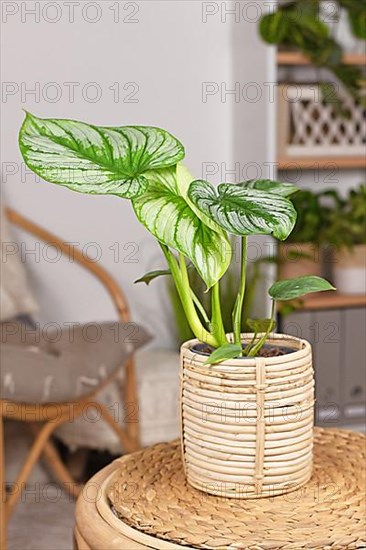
{"points": [[266, 351]]}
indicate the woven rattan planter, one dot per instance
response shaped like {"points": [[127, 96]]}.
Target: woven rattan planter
{"points": [[247, 424]]}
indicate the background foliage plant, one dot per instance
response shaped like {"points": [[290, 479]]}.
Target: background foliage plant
{"points": [[326, 217], [191, 219], [314, 209], [298, 24], [311, 217], [346, 218]]}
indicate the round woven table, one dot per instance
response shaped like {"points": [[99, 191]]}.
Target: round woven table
{"points": [[143, 501]]}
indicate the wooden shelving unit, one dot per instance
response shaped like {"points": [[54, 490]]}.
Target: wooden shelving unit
{"points": [[322, 163], [334, 323], [328, 300], [295, 58], [333, 300]]}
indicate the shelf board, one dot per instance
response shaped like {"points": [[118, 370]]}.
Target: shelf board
{"points": [[296, 58], [321, 163], [331, 300]]}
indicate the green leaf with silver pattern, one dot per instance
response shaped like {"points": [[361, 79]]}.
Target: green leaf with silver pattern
{"points": [[244, 211], [96, 159], [169, 217], [270, 186]]}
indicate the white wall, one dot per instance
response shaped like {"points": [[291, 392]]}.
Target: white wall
{"points": [[169, 52]]}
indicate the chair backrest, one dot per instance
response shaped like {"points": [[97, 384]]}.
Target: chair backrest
{"points": [[96, 269]]}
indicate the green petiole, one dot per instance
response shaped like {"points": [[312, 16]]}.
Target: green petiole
{"points": [[238, 307]]}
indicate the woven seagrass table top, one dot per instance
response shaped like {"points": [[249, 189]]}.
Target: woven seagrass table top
{"points": [[149, 493]]}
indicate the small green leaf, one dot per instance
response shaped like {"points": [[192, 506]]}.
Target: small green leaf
{"points": [[261, 325], [151, 275], [273, 27], [278, 188], [295, 288], [223, 353], [244, 211], [308, 22], [357, 19], [96, 159]]}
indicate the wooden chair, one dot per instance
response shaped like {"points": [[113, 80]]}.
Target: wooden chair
{"points": [[38, 415]]}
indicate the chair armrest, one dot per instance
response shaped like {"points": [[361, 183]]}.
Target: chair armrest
{"points": [[99, 272]]}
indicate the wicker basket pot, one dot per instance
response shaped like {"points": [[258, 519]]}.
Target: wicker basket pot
{"points": [[247, 423]]}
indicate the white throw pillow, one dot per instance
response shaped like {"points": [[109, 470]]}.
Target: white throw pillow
{"points": [[158, 383], [16, 297]]}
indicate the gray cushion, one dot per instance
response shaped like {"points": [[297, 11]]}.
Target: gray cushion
{"points": [[39, 366]]}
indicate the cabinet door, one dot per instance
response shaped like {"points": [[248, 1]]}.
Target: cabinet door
{"points": [[326, 336], [354, 364], [322, 330], [298, 324]]}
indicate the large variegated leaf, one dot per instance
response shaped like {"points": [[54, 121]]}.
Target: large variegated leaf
{"points": [[270, 186], [168, 216], [96, 159], [244, 211], [184, 180]]}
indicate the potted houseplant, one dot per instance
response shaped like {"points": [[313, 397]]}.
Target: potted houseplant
{"points": [[302, 252], [247, 399], [346, 234]]}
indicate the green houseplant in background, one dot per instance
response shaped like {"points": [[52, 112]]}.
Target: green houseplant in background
{"points": [[298, 25], [345, 232], [192, 222], [302, 253]]}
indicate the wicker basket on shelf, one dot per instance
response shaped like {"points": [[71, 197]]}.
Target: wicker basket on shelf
{"points": [[247, 424], [311, 127]]}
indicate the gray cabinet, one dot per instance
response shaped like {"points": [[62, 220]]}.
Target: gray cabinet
{"points": [[338, 337], [353, 364]]}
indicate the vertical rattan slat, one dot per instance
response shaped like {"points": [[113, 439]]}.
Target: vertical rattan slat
{"points": [[260, 366]]}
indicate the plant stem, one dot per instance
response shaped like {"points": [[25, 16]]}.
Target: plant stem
{"points": [[200, 307], [255, 349], [217, 325], [238, 308], [194, 321], [248, 347], [181, 281], [250, 292]]}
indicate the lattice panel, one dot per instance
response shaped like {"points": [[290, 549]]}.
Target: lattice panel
{"points": [[313, 127]]}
